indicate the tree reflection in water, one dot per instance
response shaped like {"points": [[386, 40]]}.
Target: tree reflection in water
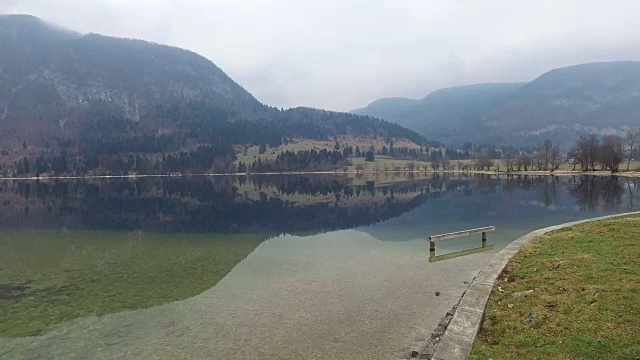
{"points": [[275, 204]]}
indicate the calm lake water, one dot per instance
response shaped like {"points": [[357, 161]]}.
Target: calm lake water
{"points": [[268, 267]]}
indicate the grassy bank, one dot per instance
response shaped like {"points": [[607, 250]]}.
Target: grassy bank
{"points": [[586, 297], [51, 276]]}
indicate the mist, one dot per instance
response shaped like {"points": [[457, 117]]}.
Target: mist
{"points": [[342, 55]]}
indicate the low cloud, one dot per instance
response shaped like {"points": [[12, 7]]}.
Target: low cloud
{"points": [[342, 55]]}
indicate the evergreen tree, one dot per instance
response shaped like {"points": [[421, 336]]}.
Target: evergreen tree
{"points": [[369, 156], [26, 165], [263, 148]]}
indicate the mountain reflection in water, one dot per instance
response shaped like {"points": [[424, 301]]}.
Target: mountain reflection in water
{"points": [[72, 249], [301, 204]]}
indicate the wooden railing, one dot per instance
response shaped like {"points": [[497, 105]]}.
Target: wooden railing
{"points": [[434, 238]]}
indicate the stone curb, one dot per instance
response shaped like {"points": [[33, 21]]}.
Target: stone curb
{"points": [[457, 341]]}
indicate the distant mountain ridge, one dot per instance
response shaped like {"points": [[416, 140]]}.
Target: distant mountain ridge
{"points": [[444, 113], [67, 94], [559, 104]]}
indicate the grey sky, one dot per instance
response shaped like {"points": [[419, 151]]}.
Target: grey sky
{"points": [[341, 54]]}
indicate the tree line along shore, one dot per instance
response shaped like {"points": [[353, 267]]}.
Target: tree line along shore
{"points": [[590, 153]]}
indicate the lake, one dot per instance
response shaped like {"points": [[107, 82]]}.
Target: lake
{"points": [[268, 267]]}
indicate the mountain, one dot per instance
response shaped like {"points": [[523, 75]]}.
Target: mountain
{"points": [[445, 114], [52, 75], [103, 101], [403, 111], [560, 105]]}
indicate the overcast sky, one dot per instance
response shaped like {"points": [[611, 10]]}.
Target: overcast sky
{"points": [[341, 54]]}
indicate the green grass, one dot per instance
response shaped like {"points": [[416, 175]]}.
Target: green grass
{"points": [[382, 163], [586, 282], [74, 274], [251, 153]]}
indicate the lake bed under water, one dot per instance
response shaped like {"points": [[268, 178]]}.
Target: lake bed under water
{"points": [[269, 267]]}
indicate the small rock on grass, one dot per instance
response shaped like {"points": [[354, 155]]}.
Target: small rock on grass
{"points": [[521, 293], [530, 319]]}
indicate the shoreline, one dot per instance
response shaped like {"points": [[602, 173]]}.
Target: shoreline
{"points": [[351, 172], [457, 339]]}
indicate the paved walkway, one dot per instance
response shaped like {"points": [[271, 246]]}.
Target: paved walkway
{"points": [[461, 332]]}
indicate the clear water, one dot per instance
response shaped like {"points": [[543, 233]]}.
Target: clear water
{"points": [[269, 267]]}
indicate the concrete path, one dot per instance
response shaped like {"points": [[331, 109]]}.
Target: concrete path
{"points": [[458, 339]]}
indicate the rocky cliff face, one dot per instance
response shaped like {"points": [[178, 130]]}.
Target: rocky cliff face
{"points": [[50, 77]]}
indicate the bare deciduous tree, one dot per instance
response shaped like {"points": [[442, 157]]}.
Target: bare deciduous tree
{"points": [[446, 163], [482, 161], [555, 158], [543, 155], [631, 139], [574, 156], [435, 164], [523, 162], [509, 160], [586, 151], [611, 152]]}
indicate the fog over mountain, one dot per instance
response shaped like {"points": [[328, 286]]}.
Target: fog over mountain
{"points": [[342, 55], [73, 102], [561, 104]]}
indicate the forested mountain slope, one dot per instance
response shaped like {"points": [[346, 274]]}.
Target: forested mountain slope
{"points": [[79, 103], [448, 114], [561, 104]]}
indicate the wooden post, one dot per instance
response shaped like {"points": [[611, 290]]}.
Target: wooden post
{"points": [[432, 248], [483, 230]]}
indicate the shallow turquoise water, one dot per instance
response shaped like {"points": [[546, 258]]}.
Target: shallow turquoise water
{"points": [[324, 254]]}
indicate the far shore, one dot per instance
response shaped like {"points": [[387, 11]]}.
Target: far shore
{"points": [[349, 172]]}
